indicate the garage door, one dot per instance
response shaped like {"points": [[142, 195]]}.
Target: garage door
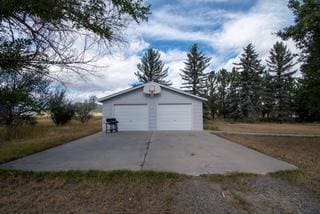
{"points": [[174, 117], [131, 117]]}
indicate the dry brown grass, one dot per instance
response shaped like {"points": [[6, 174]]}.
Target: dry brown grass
{"points": [[44, 135], [148, 192], [304, 152], [264, 127], [85, 192]]}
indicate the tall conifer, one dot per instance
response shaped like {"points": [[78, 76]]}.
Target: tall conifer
{"points": [[151, 68], [193, 74]]}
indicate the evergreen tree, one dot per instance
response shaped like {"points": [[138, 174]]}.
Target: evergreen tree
{"points": [[300, 101], [250, 69], [280, 64], [233, 97], [306, 33], [212, 94], [222, 91], [193, 73], [151, 68], [293, 89], [267, 95]]}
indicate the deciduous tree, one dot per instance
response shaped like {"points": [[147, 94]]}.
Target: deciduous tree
{"points": [[62, 31], [23, 86], [83, 110]]}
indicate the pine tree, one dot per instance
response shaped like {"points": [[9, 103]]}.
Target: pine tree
{"points": [[222, 91], [267, 100], [280, 64], [293, 89], [193, 73], [233, 97], [151, 68], [250, 69], [305, 32]]}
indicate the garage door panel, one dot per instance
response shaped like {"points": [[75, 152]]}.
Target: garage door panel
{"points": [[174, 117], [132, 117]]}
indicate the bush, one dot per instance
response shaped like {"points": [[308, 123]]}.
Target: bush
{"points": [[61, 109], [82, 110]]}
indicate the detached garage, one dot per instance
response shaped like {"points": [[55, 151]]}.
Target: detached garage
{"points": [[154, 106]]}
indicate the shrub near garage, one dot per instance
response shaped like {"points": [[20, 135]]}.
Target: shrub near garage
{"points": [[61, 109]]}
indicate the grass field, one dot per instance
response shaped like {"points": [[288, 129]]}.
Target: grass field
{"points": [[148, 192], [161, 192], [42, 136], [263, 127], [303, 152]]}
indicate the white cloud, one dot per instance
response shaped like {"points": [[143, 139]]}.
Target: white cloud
{"points": [[226, 32], [119, 70], [258, 26], [174, 60]]}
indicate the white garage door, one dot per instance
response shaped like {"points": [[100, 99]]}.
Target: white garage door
{"points": [[131, 117], [174, 117]]}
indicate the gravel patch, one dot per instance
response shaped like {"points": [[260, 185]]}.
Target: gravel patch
{"points": [[198, 196]]}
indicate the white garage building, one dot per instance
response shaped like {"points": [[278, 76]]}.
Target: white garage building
{"points": [[154, 106]]}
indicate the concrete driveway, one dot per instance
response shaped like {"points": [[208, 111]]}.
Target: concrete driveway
{"points": [[192, 153]]}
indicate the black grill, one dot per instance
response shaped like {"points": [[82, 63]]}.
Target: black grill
{"points": [[111, 125]]}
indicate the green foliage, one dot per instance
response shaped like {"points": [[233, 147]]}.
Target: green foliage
{"points": [[223, 81], [151, 68], [218, 86], [250, 69], [83, 110], [95, 176], [306, 33], [193, 74], [280, 64], [212, 94], [267, 95], [23, 87], [233, 97], [53, 26], [61, 109], [94, 16], [290, 176]]}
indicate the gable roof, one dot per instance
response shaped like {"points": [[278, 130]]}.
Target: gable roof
{"points": [[102, 99]]}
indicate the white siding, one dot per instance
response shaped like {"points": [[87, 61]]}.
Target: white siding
{"points": [[166, 97]]}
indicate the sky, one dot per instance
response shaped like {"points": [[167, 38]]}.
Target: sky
{"points": [[221, 28]]}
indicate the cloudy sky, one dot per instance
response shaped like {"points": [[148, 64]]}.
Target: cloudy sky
{"points": [[221, 28]]}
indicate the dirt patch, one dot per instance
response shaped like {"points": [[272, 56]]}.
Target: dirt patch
{"points": [[149, 192], [200, 196]]}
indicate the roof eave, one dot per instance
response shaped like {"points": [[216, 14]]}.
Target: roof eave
{"points": [[102, 99]]}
